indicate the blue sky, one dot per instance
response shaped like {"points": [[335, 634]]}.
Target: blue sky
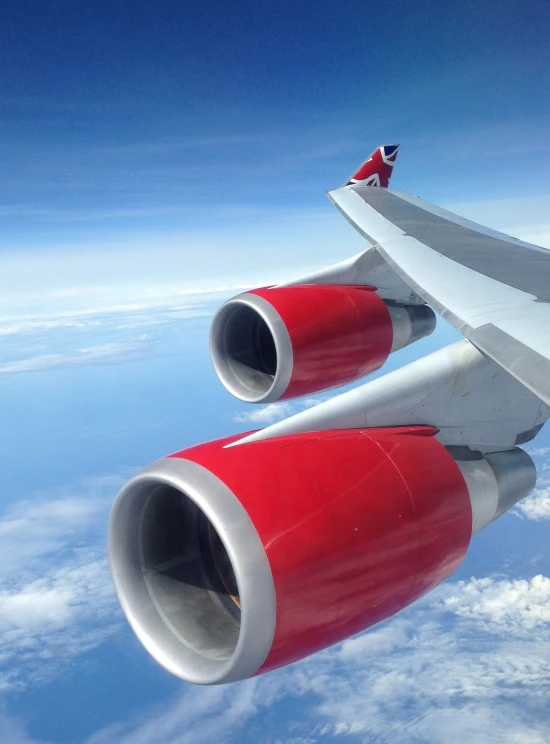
{"points": [[157, 158]]}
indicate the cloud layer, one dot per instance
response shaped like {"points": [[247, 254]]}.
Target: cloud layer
{"points": [[70, 329], [469, 662], [56, 595], [463, 665]]}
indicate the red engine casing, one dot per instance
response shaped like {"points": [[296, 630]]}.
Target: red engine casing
{"points": [[355, 524], [284, 342], [338, 334]]}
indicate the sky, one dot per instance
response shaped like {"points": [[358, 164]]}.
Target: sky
{"points": [[156, 159]]}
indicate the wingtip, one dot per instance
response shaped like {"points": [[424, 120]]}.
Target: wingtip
{"points": [[377, 169]]}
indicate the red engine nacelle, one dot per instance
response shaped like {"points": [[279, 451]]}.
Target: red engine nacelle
{"points": [[284, 342], [234, 560]]}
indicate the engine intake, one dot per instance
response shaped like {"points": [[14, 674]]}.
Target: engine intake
{"points": [[192, 592], [285, 342]]}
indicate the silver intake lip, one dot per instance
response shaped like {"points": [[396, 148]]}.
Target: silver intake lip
{"points": [[251, 350], [191, 573]]}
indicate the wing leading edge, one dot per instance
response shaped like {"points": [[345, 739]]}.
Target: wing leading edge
{"points": [[493, 288]]}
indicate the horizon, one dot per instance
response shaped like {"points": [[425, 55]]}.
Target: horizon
{"points": [[158, 159]]}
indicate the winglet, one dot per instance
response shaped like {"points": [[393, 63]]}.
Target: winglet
{"points": [[377, 169]]}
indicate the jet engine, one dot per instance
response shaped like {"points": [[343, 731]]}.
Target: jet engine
{"points": [[284, 342], [233, 559]]}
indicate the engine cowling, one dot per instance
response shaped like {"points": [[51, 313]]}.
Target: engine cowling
{"points": [[231, 559], [284, 342]]}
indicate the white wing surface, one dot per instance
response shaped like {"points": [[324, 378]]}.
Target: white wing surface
{"points": [[493, 288]]}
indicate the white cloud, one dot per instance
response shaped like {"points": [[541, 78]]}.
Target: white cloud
{"points": [[504, 605], [209, 714], [266, 414], [46, 623], [538, 451], [56, 594], [73, 328], [109, 353], [55, 599], [536, 506], [463, 666], [82, 310], [385, 640], [34, 528], [276, 411]]}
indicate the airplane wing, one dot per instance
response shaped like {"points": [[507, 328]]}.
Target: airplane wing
{"points": [[492, 288], [237, 556]]}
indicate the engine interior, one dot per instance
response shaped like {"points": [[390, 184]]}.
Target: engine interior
{"points": [[244, 351], [188, 574]]}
